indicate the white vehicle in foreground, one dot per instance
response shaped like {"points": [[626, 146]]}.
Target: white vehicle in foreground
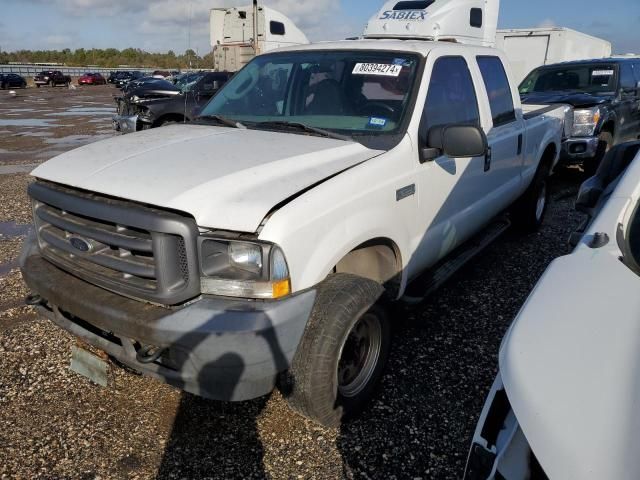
{"points": [[263, 241], [565, 403]]}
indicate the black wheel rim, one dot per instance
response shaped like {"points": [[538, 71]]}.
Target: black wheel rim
{"points": [[359, 356]]}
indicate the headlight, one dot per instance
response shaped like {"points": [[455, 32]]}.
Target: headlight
{"points": [[135, 99], [585, 121], [243, 269]]}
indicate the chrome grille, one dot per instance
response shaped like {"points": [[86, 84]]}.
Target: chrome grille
{"points": [[133, 250]]}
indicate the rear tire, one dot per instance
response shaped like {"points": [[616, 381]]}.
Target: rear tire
{"points": [[529, 211], [343, 352], [590, 165]]}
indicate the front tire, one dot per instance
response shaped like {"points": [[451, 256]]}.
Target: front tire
{"points": [[343, 351], [605, 143], [529, 211]]}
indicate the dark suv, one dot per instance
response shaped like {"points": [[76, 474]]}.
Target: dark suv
{"points": [[606, 96], [12, 80]]}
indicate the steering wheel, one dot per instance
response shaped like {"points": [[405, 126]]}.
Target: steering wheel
{"points": [[374, 108], [254, 75]]}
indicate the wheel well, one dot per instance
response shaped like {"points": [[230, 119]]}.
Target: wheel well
{"points": [[171, 117], [610, 127], [378, 260], [548, 156]]}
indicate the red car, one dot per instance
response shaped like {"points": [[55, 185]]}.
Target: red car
{"points": [[92, 79]]}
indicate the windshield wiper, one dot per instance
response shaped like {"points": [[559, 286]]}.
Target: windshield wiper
{"points": [[223, 120], [305, 128]]}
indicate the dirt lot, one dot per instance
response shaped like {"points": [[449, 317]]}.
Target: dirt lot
{"points": [[55, 424]]}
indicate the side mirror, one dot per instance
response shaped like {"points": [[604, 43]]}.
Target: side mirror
{"points": [[455, 141]]}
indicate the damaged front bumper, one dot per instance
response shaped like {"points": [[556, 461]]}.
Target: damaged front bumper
{"points": [[500, 449], [125, 123], [217, 348]]}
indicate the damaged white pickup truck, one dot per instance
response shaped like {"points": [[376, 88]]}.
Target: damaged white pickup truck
{"points": [[261, 243]]}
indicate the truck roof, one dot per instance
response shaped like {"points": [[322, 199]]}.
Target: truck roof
{"points": [[422, 47], [594, 61]]}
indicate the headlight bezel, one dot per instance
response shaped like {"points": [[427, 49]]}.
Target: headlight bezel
{"points": [[585, 121], [221, 275]]}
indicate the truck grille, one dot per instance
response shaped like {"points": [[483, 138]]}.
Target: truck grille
{"points": [[133, 250]]}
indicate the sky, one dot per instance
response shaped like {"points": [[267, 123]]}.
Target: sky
{"points": [[160, 25]]}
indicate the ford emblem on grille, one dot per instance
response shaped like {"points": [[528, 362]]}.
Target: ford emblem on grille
{"points": [[81, 244]]}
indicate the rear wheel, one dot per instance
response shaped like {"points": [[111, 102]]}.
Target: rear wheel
{"points": [[529, 211], [605, 143], [343, 351]]}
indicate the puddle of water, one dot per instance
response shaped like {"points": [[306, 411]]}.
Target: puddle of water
{"points": [[14, 230], [72, 140], [87, 111], [26, 122], [33, 134], [5, 268], [13, 169]]}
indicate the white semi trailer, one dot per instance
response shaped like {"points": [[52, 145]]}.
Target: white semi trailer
{"points": [[531, 48], [240, 33]]}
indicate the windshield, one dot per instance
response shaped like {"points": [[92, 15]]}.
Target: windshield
{"points": [[186, 82], [595, 79], [354, 93]]}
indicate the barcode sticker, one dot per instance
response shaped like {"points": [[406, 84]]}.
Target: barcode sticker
{"points": [[383, 69], [602, 73]]}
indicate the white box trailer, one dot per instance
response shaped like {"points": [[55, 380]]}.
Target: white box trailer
{"points": [[531, 48], [240, 33]]}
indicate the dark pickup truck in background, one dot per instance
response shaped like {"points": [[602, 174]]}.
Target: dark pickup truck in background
{"points": [[605, 94], [52, 78], [155, 102]]}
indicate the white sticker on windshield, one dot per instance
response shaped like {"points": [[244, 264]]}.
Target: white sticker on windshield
{"points": [[384, 69], [602, 73]]}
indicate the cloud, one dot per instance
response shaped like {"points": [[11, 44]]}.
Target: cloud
{"points": [[547, 23], [56, 41], [165, 24]]}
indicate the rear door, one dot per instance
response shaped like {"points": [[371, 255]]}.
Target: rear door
{"points": [[629, 118], [526, 52], [506, 135]]}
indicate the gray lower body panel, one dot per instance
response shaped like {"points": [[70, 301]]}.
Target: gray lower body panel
{"points": [[218, 348], [576, 150]]}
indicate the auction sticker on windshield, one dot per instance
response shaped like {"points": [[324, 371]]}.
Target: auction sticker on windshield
{"points": [[384, 69], [602, 73]]}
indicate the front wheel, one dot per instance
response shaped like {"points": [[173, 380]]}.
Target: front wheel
{"points": [[343, 351], [529, 211], [605, 143]]}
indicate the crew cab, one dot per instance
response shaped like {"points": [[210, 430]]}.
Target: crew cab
{"points": [[52, 78], [157, 103], [563, 405], [606, 96], [261, 244]]}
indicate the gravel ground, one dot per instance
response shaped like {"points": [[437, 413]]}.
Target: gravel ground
{"points": [[55, 424]]}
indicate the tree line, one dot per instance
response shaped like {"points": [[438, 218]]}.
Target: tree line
{"points": [[110, 58]]}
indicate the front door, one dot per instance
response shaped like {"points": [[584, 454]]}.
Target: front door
{"points": [[448, 188]]}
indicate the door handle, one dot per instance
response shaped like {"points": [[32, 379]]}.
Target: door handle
{"points": [[520, 142], [487, 160]]}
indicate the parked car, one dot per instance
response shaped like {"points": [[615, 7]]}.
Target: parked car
{"points": [[52, 78], [564, 404], [92, 79], [125, 77], [157, 103], [161, 74], [12, 80], [606, 97], [113, 76], [262, 243]]}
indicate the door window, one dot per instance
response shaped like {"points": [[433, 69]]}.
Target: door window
{"points": [[498, 89], [451, 99], [627, 79]]}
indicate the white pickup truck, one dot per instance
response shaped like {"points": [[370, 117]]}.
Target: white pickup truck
{"points": [[260, 244]]}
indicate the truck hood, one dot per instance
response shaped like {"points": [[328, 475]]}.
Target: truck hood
{"points": [[576, 99], [226, 178], [570, 368]]}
